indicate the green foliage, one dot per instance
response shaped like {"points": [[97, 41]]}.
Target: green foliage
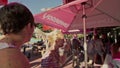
{"points": [[39, 26]]}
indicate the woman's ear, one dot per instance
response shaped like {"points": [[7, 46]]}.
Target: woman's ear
{"points": [[29, 27], [28, 32]]}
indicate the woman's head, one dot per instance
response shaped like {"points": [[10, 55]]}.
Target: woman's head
{"points": [[16, 20], [14, 17], [59, 42], [76, 42]]}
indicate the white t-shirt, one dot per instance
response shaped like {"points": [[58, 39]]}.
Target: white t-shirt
{"points": [[61, 51], [5, 45]]}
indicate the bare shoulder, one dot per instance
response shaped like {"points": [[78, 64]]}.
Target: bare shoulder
{"points": [[13, 58]]}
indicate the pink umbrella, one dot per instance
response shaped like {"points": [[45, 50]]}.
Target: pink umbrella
{"points": [[69, 16], [72, 16], [60, 17], [3, 2]]}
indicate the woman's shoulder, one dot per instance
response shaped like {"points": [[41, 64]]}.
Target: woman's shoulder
{"points": [[13, 58]]}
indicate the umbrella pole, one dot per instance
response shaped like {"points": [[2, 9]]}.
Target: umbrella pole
{"points": [[84, 30], [115, 35]]}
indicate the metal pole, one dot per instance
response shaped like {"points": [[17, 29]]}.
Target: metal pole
{"points": [[84, 29]]}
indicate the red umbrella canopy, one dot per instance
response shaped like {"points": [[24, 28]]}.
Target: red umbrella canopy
{"points": [[3, 2], [100, 13], [59, 17]]}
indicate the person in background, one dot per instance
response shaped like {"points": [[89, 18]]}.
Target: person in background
{"points": [[75, 51], [90, 50], [53, 57], [53, 60], [99, 49], [115, 50], [17, 26]]}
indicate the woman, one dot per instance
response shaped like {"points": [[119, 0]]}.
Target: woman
{"points": [[54, 59], [16, 24]]}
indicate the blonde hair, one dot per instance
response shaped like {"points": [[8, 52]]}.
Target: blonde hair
{"points": [[53, 36]]}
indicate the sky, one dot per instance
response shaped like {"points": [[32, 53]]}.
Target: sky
{"points": [[35, 6]]}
